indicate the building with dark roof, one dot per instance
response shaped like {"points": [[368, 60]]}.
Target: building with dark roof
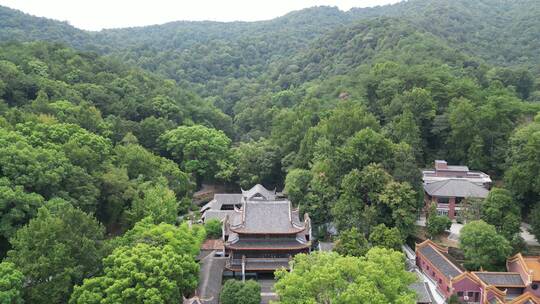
{"points": [[514, 286], [448, 186], [221, 205], [261, 230]]}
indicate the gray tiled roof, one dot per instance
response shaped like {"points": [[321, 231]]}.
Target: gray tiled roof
{"points": [[268, 217], [455, 188], [216, 214], [228, 198], [222, 199], [501, 278], [423, 294], [438, 260], [259, 189]]}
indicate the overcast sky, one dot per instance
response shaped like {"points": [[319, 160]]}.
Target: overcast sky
{"points": [[99, 14]]}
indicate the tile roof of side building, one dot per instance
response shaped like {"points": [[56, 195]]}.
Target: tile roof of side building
{"points": [[526, 298], [221, 199], [439, 259], [530, 264], [501, 279], [455, 188]]}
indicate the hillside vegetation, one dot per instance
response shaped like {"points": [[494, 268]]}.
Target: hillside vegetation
{"points": [[115, 129]]}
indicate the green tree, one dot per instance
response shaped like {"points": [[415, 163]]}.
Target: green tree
{"points": [[524, 163], [150, 129], [534, 219], [437, 225], [183, 239], [471, 209], [11, 284], [360, 192], [500, 210], [117, 193], [297, 184], [483, 247], [143, 165], [213, 228], [477, 154], [140, 274], [156, 201], [379, 277], [200, 150], [365, 147], [352, 242], [234, 292], [385, 237], [404, 128], [17, 207], [322, 193], [403, 203], [257, 163], [462, 117], [56, 250]]}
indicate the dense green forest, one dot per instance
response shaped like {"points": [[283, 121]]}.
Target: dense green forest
{"points": [[106, 135]]}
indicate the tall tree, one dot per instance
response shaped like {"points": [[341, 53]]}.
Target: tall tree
{"points": [[403, 203], [56, 250], [156, 201], [524, 163], [352, 242], [234, 291], [379, 277], [140, 274], [382, 236], [500, 210], [200, 150], [483, 247], [11, 284]]}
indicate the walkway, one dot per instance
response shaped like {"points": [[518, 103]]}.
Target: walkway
{"points": [[210, 276], [411, 256]]}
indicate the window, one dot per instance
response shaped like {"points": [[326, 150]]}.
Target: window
{"points": [[460, 294], [471, 294], [442, 212], [427, 267], [440, 281], [443, 200]]}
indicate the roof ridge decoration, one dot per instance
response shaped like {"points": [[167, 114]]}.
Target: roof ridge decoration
{"points": [[527, 296], [259, 189], [519, 258], [432, 244]]}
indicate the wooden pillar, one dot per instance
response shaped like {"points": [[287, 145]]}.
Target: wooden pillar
{"points": [[452, 208], [243, 268]]}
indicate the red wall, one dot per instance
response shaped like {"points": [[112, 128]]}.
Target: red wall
{"points": [[443, 283]]}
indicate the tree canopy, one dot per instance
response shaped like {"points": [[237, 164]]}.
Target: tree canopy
{"points": [[379, 277], [105, 136], [483, 247], [234, 291]]}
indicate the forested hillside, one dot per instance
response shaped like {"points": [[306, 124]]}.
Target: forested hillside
{"points": [[105, 135]]}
